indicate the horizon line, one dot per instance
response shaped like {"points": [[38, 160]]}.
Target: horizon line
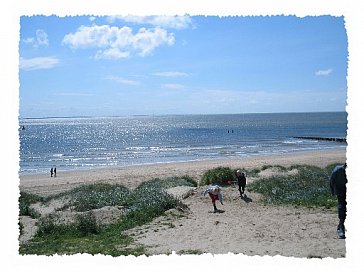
{"points": [[152, 115]]}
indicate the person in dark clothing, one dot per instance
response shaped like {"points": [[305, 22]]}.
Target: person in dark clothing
{"points": [[338, 182], [240, 175], [51, 172], [55, 172]]}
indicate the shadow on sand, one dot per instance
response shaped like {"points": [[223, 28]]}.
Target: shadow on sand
{"points": [[217, 211], [246, 199]]}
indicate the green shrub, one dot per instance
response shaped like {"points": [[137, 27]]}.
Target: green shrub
{"points": [[219, 175], [309, 187], [86, 223], [189, 181], [170, 182], [25, 200], [83, 225], [50, 225], [139, 217], [281, 168], [96, 196], [252, 173], [30, 198], [26, 210], [151, 194], [148, 201]]}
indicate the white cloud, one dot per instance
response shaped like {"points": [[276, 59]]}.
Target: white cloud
{"points": [[174, 86], [122, 80], [164, 21], [30, 40], [112, 53], [324, 72], [40, 39], [170, 74], [115, 43], [146, 41], [95, 36], [38, 63]]}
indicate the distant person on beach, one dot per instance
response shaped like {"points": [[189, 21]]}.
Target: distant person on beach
{"points": [[240, 175], [215, 193], [338, 182], [55, 171], [51, 172]]}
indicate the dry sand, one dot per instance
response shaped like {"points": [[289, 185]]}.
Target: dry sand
{"points": [[131, 176], [246, 226]]}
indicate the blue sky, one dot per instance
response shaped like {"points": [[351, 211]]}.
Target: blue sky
{"points": [[112, 66]]}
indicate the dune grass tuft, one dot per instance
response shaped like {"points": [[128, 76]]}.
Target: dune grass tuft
{"points": [[25, 200], [309, 187], [219, 176], [146, 202]]}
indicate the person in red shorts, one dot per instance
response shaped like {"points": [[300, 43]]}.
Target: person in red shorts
{"points": [[215, 193]]}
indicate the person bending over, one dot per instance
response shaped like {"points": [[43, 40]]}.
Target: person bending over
{"points": [[215, 193]]}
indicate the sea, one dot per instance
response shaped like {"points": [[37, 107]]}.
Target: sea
{"points": [[79, 143]]}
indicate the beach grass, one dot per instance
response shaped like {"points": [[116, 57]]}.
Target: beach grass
{"points": [[308, 187], [222, 175], [98, 195], [25, 200], [85, 235], [219, 176]]}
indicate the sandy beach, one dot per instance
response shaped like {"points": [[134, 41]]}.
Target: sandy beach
{"points": [[246, 226], [131, 176]]}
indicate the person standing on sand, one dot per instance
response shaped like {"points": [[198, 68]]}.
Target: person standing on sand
{"points": [[240, 175], [215, 194], [55, 172], [51, 172], [338, 182]]}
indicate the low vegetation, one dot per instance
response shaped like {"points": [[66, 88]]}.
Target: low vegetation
{"points": [[222, 175], [308, 187], [25, 200], [85, 235], [219, 176], [96, 196]]}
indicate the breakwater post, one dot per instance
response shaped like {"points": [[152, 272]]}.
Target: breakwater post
{"points": [[338, 139]]}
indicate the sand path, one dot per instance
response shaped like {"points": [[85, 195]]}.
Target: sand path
{"points": [[245, 226]]}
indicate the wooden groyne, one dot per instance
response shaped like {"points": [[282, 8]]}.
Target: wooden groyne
{"points": [[338, 139]]}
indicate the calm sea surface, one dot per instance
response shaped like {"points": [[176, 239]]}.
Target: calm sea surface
{"points": [[82, 143]]}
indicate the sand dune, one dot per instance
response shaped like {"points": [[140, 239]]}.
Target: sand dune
{"points": [[245, 226]]}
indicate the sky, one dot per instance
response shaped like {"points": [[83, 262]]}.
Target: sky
{"points": [[156, 65]]}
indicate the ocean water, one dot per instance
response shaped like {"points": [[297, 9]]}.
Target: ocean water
{"points": [[84, 143]]}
